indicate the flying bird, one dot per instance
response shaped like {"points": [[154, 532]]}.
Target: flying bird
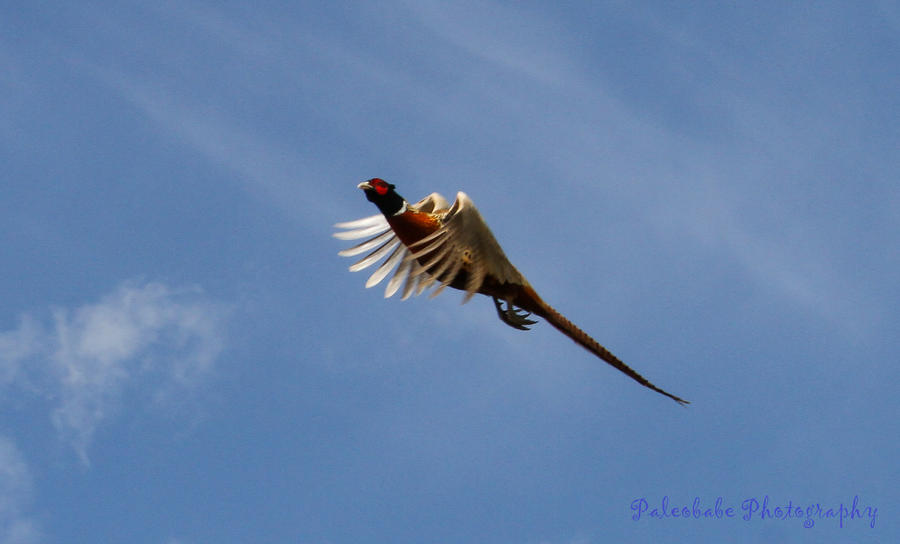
{"points": [[433, 243]]}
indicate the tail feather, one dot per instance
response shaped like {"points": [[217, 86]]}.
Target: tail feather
{"points": [[580, 337]]}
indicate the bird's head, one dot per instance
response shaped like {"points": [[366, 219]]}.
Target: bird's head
{"points": [[376, 188], [382, 194]]}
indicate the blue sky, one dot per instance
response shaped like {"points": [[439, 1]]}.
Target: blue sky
{"points": [[708, 189]]}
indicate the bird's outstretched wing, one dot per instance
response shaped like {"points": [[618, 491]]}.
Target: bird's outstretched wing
{"points": [[464, 245]]}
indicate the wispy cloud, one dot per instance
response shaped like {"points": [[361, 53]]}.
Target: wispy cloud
{"points": [[509, 38], [90, 354], [17, 346], [263, 166], [16, 526], [256, 160]]}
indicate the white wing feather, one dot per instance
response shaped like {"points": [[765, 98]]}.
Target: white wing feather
{"points": [[384, 241]]}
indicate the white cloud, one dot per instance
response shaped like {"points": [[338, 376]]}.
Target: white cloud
{"points": [[16, 527], [16, 346], [92, 353]]}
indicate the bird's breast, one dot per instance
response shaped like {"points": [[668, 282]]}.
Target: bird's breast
{"points": [[411, 226]]}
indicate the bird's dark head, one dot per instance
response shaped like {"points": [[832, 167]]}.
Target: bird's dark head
{"points": [[382, 194], [376, 188]]}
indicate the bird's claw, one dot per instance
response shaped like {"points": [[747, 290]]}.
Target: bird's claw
{"points": [[512, 316]]}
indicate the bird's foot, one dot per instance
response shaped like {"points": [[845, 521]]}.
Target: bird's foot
{"points": [[516, 318]]}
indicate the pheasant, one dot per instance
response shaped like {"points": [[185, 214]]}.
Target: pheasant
{"points": [[432, 243]]}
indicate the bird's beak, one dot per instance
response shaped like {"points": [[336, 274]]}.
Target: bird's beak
{"points": [[364, 186]]}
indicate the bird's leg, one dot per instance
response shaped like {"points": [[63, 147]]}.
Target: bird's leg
{"points": [[515, 318]]}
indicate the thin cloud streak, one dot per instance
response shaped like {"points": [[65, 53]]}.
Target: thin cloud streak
{"points": [[494, 33], [276, 175]]}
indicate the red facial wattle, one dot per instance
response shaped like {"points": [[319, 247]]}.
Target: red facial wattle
{"points": [[380, 186]]}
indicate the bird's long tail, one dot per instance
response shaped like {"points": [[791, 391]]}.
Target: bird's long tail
{"points": [[582, 338]]}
